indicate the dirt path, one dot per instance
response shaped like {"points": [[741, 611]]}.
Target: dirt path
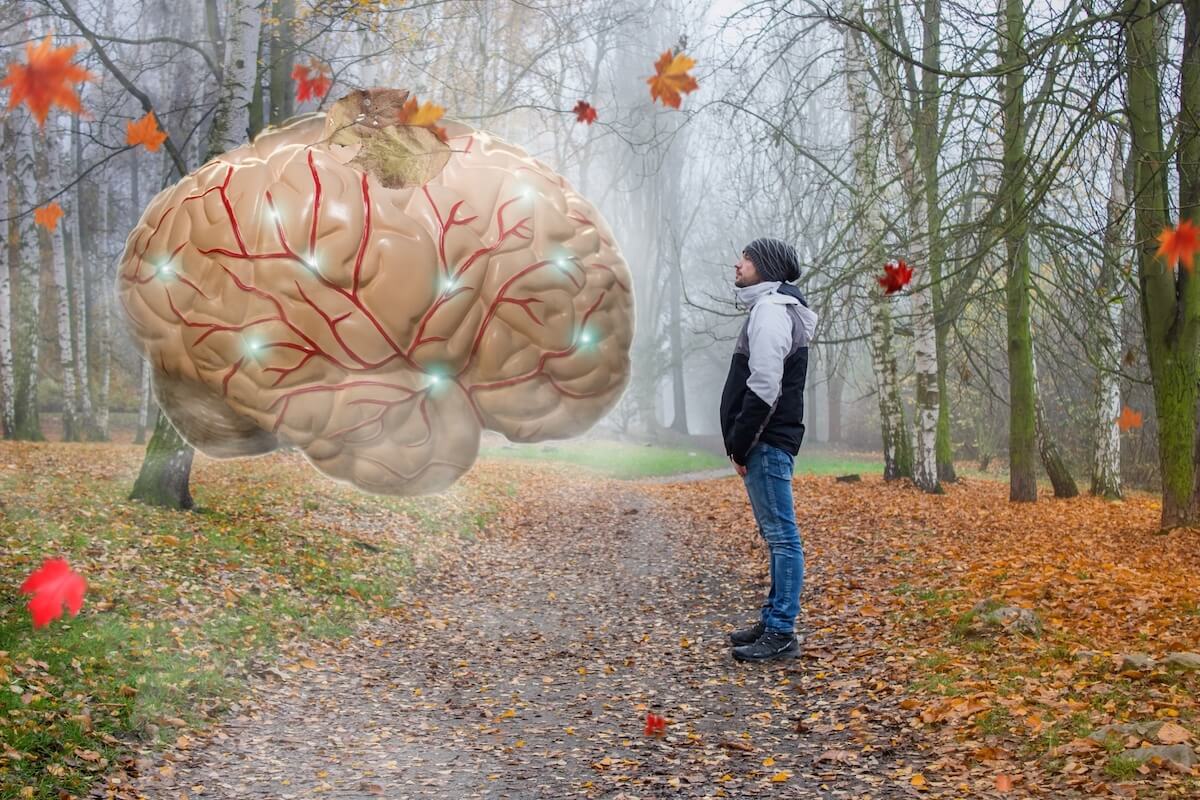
{"points": [[526, 667]]}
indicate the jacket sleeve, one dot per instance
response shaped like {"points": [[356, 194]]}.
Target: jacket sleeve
{"points": [[770, 339]]}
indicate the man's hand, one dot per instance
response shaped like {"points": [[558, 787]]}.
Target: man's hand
{"points": [[741, 468]]}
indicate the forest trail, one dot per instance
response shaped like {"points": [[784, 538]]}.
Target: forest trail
{"points": [[524, 666]]}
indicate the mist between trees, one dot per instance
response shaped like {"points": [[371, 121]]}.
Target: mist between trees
{"points": [[1022, 158]]}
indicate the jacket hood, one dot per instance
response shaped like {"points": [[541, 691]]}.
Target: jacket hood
{"points": [[770, 292]]}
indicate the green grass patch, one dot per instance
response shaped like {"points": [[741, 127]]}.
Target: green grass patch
{"points": [[180, 603], [1122, 767]]}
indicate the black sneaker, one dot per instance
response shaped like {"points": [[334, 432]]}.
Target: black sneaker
{"points": [[748, 635], [771, 645]]}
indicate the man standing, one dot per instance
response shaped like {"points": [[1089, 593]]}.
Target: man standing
{"points": [[762, 412]]}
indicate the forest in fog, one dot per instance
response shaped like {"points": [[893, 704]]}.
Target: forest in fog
{"points": [[1035, 164]]}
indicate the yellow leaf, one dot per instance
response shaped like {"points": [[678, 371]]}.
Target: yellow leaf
{"points": [[917, 780], [509, 714], [781, 776], [768, 762]]}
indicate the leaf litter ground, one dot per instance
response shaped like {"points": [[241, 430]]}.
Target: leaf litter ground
{"points": [[521, 656]]}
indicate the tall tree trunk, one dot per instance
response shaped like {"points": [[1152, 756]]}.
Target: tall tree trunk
{"points": [[834, 402], [925, 474], [678, 389], [1052, 457], [928, 145], [143, 404], [57, 248], [84, 246], [282, 58], [1170, 294], [166, 470], [1022, 433], [7, 419], [897, 449], [1106, 460], [28, 423], [231, 120]]}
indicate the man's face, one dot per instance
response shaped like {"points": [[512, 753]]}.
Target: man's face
{"points": [[745, 273]]}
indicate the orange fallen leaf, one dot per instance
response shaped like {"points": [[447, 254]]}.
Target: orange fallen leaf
{"points": [[917, 780], [1003, 783]]}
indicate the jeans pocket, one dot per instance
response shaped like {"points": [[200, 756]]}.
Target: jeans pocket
{"points": [[779, 463]]}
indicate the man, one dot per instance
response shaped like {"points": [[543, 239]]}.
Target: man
{"points": [[762, 408]]}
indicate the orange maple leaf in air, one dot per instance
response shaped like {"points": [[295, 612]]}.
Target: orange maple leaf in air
{"points": [[1129, 419], [48, 215], [45, 80], [145, 132], [671, 77], [413, 113], [1180, 244]]}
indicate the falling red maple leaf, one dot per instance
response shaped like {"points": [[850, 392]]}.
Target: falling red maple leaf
{"points": [[1180, 244], [51, 586], [655, 725], [145, 132], [45, 79], [48, 215], [896, 275], [312, 81], [1129, 419], [584, 112], [671, 77]]}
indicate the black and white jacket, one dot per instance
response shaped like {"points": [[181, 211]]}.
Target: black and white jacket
{"points": [[763, 399]]}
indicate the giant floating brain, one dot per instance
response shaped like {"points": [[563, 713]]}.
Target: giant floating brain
{"points": [[376, 297]]}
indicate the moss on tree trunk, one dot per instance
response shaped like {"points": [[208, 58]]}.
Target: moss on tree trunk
{"points": [[166, 469]]}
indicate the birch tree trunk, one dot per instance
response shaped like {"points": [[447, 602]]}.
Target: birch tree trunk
{"points": [[83, 400], [1022, 425], [928, 145], [897, 451], [1106, 460], [143, 404], [1170, 295], [925, 474], [231, 120], [27, 420], [70, 399], [7, 420]]}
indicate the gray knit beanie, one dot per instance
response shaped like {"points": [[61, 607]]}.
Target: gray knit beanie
{"points": [[775, 260]]}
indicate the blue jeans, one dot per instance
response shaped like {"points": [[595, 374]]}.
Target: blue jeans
{"points": [[769, 483]]}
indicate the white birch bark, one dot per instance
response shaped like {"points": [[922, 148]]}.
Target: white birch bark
{"points": [[70, 398], [143, 403], [871, 230], [231, 122], [31, 263], [78, 291], [1106, 459], [7, 407], [924, 339]]}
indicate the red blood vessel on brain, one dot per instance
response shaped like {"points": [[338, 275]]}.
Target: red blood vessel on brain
{"points": [[376, 297]]}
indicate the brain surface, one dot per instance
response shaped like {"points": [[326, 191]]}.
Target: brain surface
{"points": [[375, 304]]}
